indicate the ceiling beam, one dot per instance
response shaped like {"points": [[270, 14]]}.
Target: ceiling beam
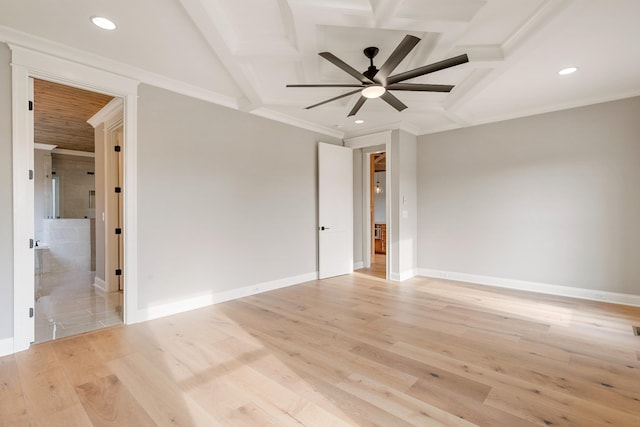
{"points": [[207, 23]]}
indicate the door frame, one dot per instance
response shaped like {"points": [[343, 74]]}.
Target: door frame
{"points": [[366, 142], [25, 64]]}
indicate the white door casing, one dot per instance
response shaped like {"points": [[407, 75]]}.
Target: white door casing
{"points": [[27, 63], [335, 210]]}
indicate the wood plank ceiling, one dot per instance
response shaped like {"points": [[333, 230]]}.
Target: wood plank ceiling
{"points": [[61, 113]]}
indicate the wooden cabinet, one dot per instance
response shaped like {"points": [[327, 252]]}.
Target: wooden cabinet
{"points": [[380, 238]]}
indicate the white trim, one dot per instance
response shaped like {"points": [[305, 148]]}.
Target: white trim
{"points": [[6, 347], [543, 288], [108, 112], [358, 265], [23, 210], [366, 209], [73, 152], [365, 141], [45, 66], [380, 138], [19, 40], [60, 51], [210, 298], [26, 64], [294, 121], [45, 147], [405, 275]]}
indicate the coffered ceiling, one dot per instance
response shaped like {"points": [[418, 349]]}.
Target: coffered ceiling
{"points": [[242, 53]]}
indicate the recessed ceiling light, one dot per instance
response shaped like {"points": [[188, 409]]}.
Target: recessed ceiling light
{"points": [[359, 122], [568, 70], [104, 23]]}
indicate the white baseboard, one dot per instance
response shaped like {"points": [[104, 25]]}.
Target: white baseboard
{"points": [[6, 346], [544, 288], [203, 300], [100, 284], [358, 265], [405, 275]]}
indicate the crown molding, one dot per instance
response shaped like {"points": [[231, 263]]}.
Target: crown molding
{"points": [[114, 107], [46, 147], [23, 40], [293, 121], [16, 39]]}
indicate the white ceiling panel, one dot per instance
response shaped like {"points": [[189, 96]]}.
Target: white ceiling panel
{"points": [[249, 50]]}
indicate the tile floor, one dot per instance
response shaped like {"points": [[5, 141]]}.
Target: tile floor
{"points": [[68, 304]]}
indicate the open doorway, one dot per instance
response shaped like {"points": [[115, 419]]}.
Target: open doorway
{"points": [[69, 194], [378, 215]]}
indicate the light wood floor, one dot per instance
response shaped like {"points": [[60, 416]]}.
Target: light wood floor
{"points": [[378, 267], [352, 350]]}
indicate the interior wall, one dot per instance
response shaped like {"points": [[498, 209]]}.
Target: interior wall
{"points": [[358, 207], [380, 210], [403, 261], [75, 184], [551, 199], [41, 189], [100, 201], [226, 199], [408, 204], [6, 195], [358, 202]]}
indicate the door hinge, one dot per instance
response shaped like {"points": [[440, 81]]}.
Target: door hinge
{"points": [[118, 230], [30, 243], [118, 272], [118, 189], [30, 174], [116, 148], [30, 105], [30, 312]]}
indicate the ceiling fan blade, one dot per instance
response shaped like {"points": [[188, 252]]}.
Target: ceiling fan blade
{"points": [[328, 85], [345, 67], [333, 99], [393, 101], [357, 107], [420, 87], [403, 49], [437, 66]]}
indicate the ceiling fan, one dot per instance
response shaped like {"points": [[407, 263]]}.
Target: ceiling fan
{"points": [[376, 83]]}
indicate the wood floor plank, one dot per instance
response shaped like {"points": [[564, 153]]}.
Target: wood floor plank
{"points": [[349, 350], [109, 403], [13, 410], [158, 395], [49, 396]]}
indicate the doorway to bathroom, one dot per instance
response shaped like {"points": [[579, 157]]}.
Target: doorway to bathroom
{"points": [[73, 170]]}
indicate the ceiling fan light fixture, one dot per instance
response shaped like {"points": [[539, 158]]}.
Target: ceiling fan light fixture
{"points": [[373, 91], [568, 70], [104, 23]]}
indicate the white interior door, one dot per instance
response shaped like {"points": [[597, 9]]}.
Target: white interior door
{"points": [[335, 204]]}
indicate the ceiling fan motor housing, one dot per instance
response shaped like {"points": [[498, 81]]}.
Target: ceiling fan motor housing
{"points": [[371, 52]]}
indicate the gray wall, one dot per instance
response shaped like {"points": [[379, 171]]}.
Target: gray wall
{"points": [[226, 199], [6, 196], [551, 198], [404, 209], [100, 196], [380, 210]]}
